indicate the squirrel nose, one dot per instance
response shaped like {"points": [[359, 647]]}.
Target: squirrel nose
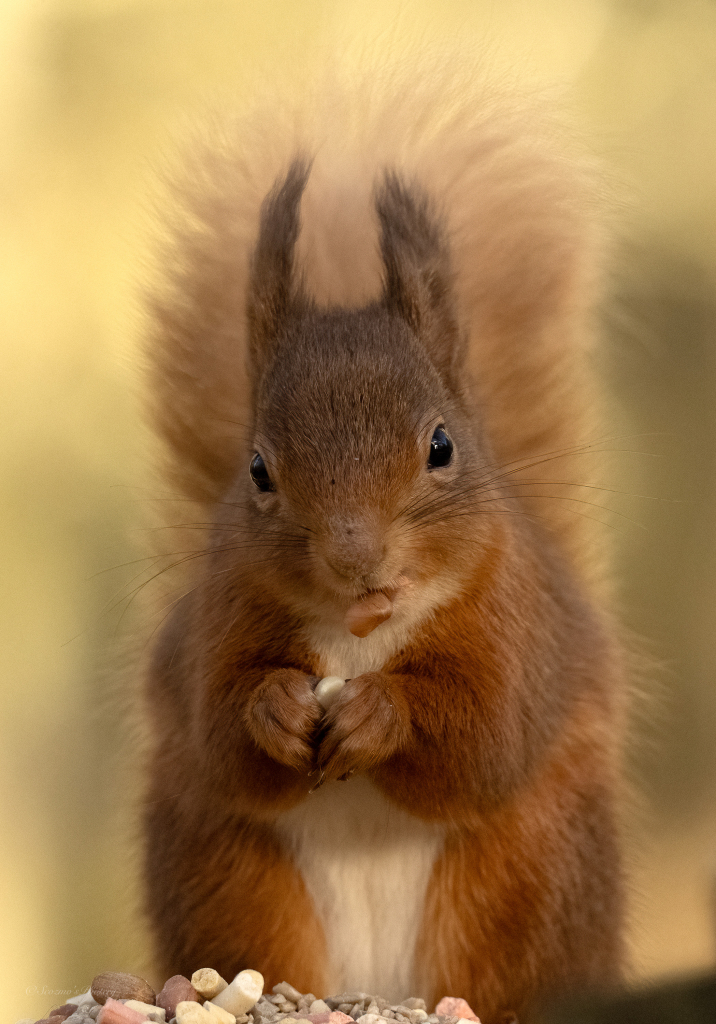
{"points": [[354, 548]]}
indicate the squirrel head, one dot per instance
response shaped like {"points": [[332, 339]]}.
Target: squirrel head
{"points": [[361, 437]]}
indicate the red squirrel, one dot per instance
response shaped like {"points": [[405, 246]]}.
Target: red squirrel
{"points": [[371, 369]]}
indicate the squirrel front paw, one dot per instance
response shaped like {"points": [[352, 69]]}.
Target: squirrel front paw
{"points": [[282, 717], [367, 723]]}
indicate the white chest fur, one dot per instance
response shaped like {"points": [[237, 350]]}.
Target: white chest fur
{"points": [[366, 864], [339, 653]]}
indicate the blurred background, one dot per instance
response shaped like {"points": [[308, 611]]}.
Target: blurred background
{"points": [[91, 94]]}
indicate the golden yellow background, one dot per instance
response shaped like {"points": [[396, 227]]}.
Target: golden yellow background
{"points": [[91, 94]]}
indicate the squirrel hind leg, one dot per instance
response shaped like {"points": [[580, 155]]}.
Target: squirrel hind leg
{"points": [[253, 912], [530, 906]]}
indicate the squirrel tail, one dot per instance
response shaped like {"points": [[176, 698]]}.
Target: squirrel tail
{"points": [[523, 214]]}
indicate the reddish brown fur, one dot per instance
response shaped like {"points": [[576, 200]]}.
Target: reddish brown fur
{"points": [[499, 715]]}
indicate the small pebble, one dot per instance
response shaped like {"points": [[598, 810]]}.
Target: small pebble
{"points": [[332, 1017], [114, 1012], [415, 1004], [242, 994], [283, 988], [177, 989], [218, 1015], [347, 997], [282, 1004], [319, 1006], [156, 1013], [85, 999], [63, 1011], [191, 1012], [208, 982], [455, 1007], [117, 985], [263, 1010]]}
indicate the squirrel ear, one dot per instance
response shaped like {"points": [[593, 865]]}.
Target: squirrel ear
{"points": [[273, 292], [417, 272]]}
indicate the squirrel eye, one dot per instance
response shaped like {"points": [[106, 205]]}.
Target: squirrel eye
{"points": [[259, 473], [440, 449]]}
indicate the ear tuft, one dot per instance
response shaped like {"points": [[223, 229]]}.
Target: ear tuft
{"points": [[273, 292], [417, 272]]}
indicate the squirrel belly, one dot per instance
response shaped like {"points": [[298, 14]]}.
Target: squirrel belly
{"points": [[371, 369], [366, 865]]}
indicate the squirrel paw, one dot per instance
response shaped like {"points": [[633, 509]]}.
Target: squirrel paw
{"points": [[365, 726], [282, 717]]}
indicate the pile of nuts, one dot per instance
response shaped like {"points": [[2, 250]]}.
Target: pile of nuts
{"points": [[116, 998]]}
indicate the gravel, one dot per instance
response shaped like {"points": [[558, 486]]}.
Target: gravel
{"points": [[106, 1003]]}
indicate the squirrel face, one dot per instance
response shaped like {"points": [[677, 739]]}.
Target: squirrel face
{"points": [[362, 453], [354, 450]]}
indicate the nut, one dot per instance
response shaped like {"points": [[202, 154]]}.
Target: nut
{"points": [[208, 982], [242, 994], [116, 985]]}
